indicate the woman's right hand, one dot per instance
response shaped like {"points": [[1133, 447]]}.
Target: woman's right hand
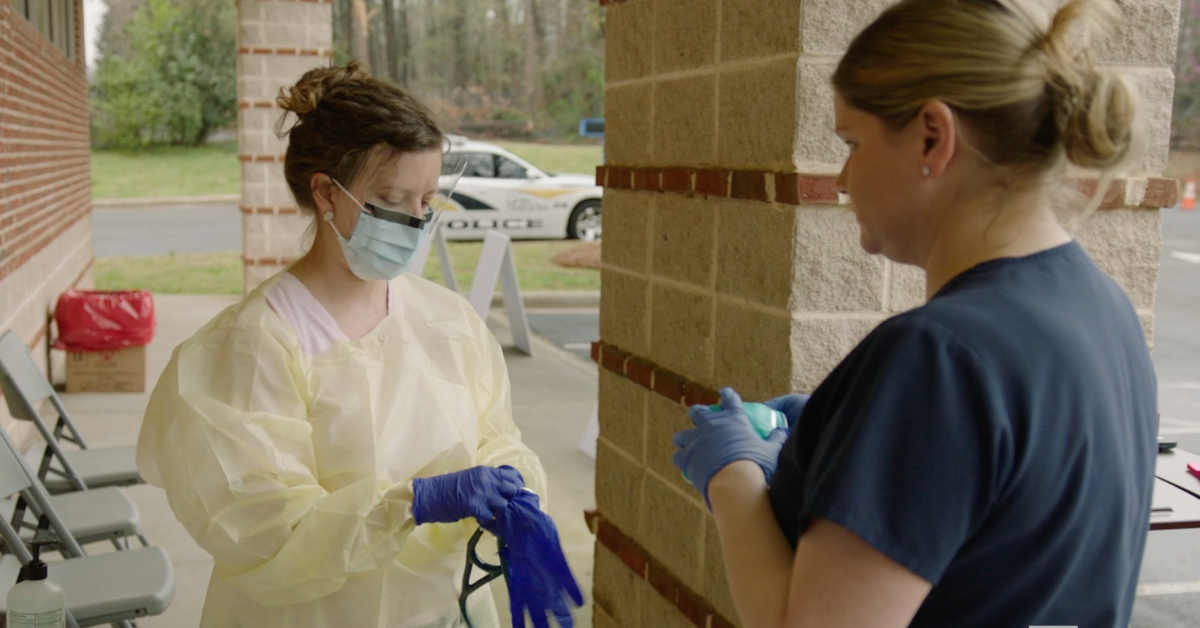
{"points": [[479, 492], [720, 438], [792, 406]]}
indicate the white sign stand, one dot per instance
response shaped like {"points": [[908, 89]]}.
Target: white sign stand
{"points": [[422, 256], [587, 444], [496, 264]]}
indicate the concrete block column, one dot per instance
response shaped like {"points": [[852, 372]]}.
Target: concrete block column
{"points": [[278, 41], [730, 260]]}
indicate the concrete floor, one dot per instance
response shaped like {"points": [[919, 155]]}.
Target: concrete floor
{"points": [[554, 394]]}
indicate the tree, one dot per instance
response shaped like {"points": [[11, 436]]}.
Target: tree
{"points": [[533, 40], [112, 24], [169, 76], [1185, 123], [360, 31], [392, 36], [498, 65], [573, 78]]}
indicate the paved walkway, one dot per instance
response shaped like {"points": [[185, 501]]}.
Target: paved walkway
{"points": [[553, 397]]}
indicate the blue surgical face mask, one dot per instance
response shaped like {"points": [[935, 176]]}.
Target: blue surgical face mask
{"points": [[379, 249]]}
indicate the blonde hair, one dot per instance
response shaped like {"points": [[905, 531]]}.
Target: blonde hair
{"points": [[1024, 83]]}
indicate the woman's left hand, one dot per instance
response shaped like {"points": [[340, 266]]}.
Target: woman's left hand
{"points": [[720, 438], [480, 492]]}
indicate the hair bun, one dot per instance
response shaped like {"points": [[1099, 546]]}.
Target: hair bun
{"points": [[303, 97], [1099, 133], [1095, 109]]}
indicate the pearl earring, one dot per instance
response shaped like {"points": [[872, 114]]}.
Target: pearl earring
{"points": [[925, 171], [327, 216]]}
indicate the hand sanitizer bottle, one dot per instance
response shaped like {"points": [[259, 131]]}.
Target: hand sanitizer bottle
{"points": [[35, 602]]}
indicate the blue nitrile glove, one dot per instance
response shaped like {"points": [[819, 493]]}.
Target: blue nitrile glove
{"points": [[763, 418], [792, 406], [480, 492], [539, 580], [720, 438]]}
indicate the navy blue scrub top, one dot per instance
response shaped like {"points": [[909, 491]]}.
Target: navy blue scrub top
{"points": [[998, 442]]}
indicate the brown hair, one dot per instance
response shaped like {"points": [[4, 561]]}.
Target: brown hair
{"points": [[346, 121], [1027, 91]]}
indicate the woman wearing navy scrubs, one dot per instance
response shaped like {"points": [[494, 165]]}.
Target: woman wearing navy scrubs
{"points": [[985, 459]]}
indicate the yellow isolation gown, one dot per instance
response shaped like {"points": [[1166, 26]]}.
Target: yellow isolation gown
{"points": [[294, 471]]}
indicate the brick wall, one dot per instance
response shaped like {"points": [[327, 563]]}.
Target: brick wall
{"points": [[45, 184], [278, 40], [729, 258]]}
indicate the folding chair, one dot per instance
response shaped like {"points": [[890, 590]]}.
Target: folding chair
{"points": [[60, 470], [99, 514], [112, 588]]}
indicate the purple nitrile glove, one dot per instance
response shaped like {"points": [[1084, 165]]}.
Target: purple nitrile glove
{"points": [[479, 492], [792, 406], [722, 437], [539, 579]]}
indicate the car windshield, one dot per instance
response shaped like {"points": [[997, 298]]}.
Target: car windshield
{"points": [[509, 169], [477, 164]]}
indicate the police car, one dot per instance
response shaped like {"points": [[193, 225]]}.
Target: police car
{"points": [[501, 191]]}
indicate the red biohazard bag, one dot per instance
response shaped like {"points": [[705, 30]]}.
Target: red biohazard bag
{"points": [[104, 321]]}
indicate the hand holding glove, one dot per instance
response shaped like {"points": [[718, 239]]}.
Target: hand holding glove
{"points": [[480, 492], [792, 406], [722, 437], [539, 579]]}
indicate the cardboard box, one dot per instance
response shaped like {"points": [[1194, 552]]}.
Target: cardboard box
{"points": [[123, 370]]}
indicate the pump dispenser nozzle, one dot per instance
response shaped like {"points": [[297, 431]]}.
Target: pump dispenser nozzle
{"points": [[35, 601], [35, 569]]}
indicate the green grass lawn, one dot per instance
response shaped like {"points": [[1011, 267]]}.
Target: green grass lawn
{"points": [[214, 168], [221, 273], [535, 270], [562, 158], [191, 273], [167, 171]]}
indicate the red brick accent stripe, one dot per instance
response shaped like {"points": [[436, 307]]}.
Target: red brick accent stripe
{"points": [[796, 188], [1161, 193], [270, 210], [697, 611], [790, 187], [653, 377], [301, 52]]}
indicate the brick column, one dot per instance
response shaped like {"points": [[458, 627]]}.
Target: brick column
{"points": [[278, 40], [729, 258]]}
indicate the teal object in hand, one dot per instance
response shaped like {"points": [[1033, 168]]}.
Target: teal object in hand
{"points": [[764, 420]]}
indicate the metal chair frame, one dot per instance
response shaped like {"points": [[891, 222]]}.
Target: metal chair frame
{"points": [[24, 386]]}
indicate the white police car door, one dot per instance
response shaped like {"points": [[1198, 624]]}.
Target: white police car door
{"points": [[495, 192]]}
